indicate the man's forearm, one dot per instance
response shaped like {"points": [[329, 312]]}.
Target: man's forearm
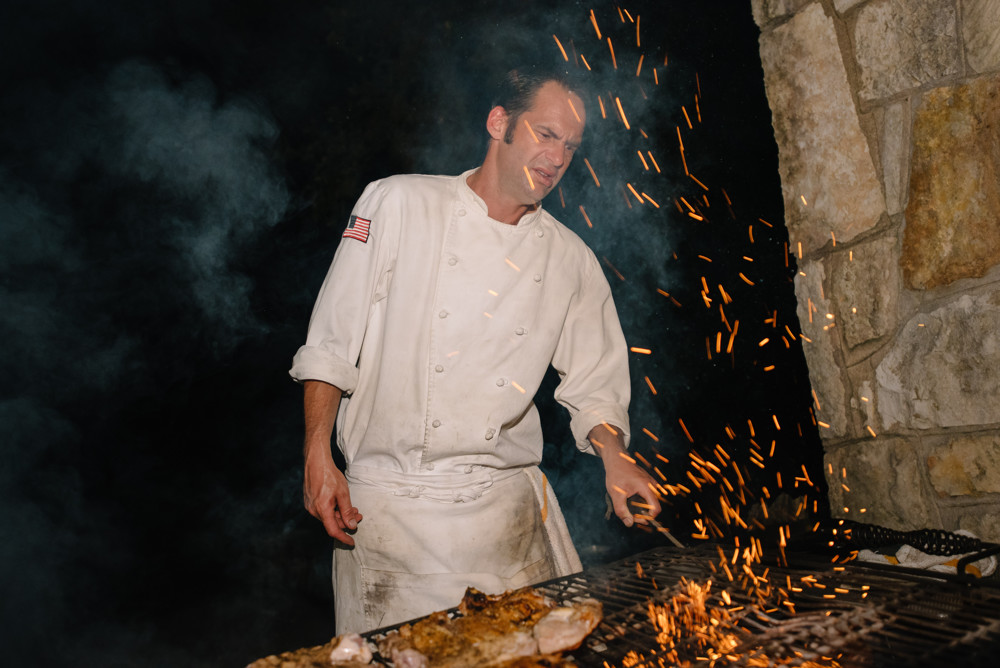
{"points": [[608, 441], [321, 401]]}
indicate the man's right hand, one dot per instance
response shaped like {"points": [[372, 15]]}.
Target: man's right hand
{"points": [[324, 489], [327, 498]]}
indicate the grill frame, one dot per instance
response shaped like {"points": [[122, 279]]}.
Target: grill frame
{"points": [[907, 617]]}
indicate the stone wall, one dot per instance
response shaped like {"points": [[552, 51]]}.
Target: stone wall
{"points": [[887, 119]]}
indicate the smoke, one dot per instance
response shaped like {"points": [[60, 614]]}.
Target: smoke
{"points": [[127, 206]]}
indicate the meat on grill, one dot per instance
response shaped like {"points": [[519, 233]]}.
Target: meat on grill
{"points": [[516, 629]]}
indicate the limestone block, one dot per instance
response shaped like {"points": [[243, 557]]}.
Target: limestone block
{"points": [[843, 5], [981, 33], [819, 350], [766, 10], [941, 368], [966, 465], [827, 174], [952, 216], [895, 150], [983, 522], [865, 289], [901, 45], [881, 482]]}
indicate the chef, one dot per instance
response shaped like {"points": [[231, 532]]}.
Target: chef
{"points": [[446, 302]]}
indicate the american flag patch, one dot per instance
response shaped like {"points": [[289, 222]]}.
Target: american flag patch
{"points": [[358, 229]]}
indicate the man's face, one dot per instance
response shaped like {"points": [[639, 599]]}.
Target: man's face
{"points": [[545, 138]]}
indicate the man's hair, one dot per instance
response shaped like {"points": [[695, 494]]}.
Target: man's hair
{"points": [[516, 91]]}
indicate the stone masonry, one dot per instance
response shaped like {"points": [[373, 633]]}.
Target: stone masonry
{"points": [[887, 119]]}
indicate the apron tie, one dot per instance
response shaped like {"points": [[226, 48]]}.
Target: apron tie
{"points": [[443, 487]]}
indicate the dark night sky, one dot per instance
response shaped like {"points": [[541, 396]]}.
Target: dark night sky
{"points": [[173, 182]]}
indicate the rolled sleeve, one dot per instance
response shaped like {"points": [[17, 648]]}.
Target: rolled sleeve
{"points": [[357, 279], [592, 361], [314, 363]]}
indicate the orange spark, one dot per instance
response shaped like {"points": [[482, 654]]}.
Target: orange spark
{"points": [[643, 160], [586, 217], [512, 265], [653, 160], [622, 112], [642, 351], [612, 267], [528, 174], [632, 190], [573, 107], [732, 337], [639, 68], [593, 19], [561, 49], [532, 133], [650, 200], [612, 49], [650, 383], [686, 432], [687, 118], [587, 162]]}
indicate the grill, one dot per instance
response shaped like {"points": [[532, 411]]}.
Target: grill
{"points": [[853, 614]]}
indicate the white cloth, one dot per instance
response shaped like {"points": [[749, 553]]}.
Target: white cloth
{"points": [[911, 557], [439, 329], [418, 554]]}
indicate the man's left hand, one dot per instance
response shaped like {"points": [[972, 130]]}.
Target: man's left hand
{"points": [[623, 477]]}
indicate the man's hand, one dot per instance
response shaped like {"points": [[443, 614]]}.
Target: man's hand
{"points": [[327, 498], [622, 476], [324, 489]]}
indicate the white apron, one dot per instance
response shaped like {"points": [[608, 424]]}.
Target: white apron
{"points": [[420, 545]]}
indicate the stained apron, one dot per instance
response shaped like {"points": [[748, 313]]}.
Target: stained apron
{"points": [[421, 545]]}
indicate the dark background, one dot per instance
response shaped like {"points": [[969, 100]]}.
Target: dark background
{"points": [[173, 182]]}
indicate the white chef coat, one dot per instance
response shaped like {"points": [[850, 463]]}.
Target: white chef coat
{"points": [[439, 329]]}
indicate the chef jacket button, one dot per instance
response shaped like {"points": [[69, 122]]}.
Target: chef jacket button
{"points": [[453, 261], [436, 423], [519, 331], [538, 278], [539, 233], [489, 434], [461, 212], [501, 382], [429, 467], [439, 368], [469, 469], [443, 314]]}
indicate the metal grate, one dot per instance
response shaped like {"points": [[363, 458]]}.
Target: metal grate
{"points": [[849, 615], [844, 615]]}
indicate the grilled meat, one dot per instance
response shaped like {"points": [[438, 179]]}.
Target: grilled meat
{"points": [[511, 630]]}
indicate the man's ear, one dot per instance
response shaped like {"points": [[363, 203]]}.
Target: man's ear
{"points": [[496, 122]]}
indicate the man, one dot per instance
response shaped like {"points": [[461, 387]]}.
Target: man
{"points": [[447, 300]]}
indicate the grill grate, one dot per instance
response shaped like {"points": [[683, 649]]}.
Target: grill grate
{"points": [[844, 615], [849, 615]]}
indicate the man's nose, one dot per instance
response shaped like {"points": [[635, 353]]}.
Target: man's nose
{"points": [[558, 155]]}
